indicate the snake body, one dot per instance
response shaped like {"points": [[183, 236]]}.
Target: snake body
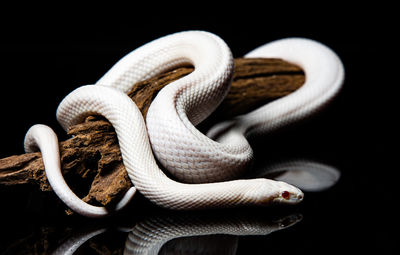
{"points": [[177, 109], [194, 157]]}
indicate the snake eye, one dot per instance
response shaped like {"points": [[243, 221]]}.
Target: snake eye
{"points": [[286, 195]]}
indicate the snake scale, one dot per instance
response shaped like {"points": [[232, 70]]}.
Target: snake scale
{"points": [[203, 164]]}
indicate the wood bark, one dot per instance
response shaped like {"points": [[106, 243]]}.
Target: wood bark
{"points": [[91, 159]]}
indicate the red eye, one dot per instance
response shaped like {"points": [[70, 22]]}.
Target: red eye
{"points": [[286, 194]]}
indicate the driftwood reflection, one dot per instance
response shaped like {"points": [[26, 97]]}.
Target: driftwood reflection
{"points": [[188, 233]]}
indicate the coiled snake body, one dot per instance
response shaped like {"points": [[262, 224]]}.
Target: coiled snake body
{"points": [[184, 151]]}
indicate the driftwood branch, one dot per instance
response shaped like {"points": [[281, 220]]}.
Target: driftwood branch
{"points": [[91, 159]]}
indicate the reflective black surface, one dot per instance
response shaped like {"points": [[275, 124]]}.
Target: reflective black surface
{"points": [[41, 63]]}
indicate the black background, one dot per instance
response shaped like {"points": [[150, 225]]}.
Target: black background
{"points": [[44, 57]]}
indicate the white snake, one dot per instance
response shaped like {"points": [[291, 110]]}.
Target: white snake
{"points": [[178, 108]]}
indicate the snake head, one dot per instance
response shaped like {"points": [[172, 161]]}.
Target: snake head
{"points": [[275, 192], [288, 194], [287, 221]]}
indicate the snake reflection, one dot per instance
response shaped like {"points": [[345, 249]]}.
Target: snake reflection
{"points": [[194, 231], [150, 235], [308, 175]]}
